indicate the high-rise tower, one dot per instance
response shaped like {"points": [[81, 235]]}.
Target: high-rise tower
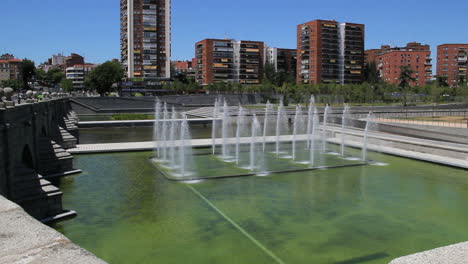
{"points": [[145, 34], [330, 52]]}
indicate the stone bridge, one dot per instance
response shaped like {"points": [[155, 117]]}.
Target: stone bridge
{"points": [[33, 142]]}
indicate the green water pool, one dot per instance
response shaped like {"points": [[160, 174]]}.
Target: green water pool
{"points": [[130, 213]]}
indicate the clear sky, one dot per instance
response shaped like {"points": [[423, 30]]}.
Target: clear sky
{"points": [[36, 29]]}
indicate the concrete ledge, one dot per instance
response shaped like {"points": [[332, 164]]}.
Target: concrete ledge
{"points": [[454, 254], [25, 240]]}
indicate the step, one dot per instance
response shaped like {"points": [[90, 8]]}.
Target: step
{"points": [[27, 186], [34, 176], [46, 191]]}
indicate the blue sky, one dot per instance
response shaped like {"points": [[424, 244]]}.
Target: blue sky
{"points": [[36, 29]]}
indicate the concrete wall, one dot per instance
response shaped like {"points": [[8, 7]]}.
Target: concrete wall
{"points": [[94, 105], [4, 164]]}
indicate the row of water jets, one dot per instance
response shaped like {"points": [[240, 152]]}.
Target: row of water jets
{"points": [[174, 150]]}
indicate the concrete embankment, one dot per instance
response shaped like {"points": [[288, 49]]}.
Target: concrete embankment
{"points": [[25, 240], [454, 254]]}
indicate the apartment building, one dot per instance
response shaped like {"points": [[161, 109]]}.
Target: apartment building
{"points": [[77, 74], [185, 68], [146, 38], [227, 60], [452, 63], [72, 60], [414, 55], [283, 60], [10, 68], [330, 52]]}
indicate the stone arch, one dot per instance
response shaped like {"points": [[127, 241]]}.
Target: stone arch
{"points": [[27, 158]]}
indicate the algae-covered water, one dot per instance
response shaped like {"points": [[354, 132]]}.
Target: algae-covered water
{"points": [[130, 213]]}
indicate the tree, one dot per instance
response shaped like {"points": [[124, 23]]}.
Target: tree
{"points": [[40, 75], [104, 75], [442, 81], [269, 72], [371, 73], [278, 78], [29, 70], [15, 84], [66, 85], [55, 75], [406, 77]]}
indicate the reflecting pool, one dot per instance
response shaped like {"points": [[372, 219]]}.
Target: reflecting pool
{"points": [[129, 213]]}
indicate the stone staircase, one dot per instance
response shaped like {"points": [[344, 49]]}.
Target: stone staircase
{"points": [[37, 196]]}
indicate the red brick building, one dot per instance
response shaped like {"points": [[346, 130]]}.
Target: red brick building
{"points": [[330, 52], [227, 60], [10, 68], [371, 54], [452, 63], [184, 67], [414, 55], [73, 59]]}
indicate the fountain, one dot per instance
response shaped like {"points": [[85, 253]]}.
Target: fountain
{"points": [[172, 137], [369, 124], [213, 125], [157, 127], [312, 139], [324, 129], [255, 130], [309, 116], [239, 129], [173, 151], [266, 122], [297, 129], [164, 132], [281, 124], [225, 129], [185, 148], [344, 123]]}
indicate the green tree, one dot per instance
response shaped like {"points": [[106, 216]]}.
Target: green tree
{"points": [[66, 85], [442, 81], [371, 73], [15, 84], [406, 77], [40, 75], [55, 75], [269, 72], [104, 75], [29, 70]]}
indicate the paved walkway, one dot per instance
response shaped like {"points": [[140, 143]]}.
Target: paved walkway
{"points": [[150, 145], [407, 154], [126, 123], [423, 123], [454, 254], [25, 240]]}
